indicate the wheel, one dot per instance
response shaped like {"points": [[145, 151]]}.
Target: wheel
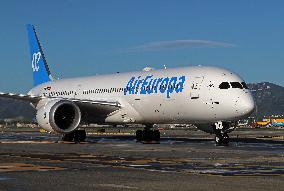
{"points": [[218, 140], [139, 135], [83, 135], [68, 137], [79, 135], [147, 135], [226, 139], [156, 135], [222, 140]]}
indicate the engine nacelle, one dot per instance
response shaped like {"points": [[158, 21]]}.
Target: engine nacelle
{"points": [[60, 116]]}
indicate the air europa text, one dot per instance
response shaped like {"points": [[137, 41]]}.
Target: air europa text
{"points": [[151, 85]]}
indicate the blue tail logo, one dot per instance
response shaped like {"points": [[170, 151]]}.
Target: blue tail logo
{"points": [[41, 72], [35, 61]]}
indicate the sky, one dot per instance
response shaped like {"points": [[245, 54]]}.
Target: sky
{"points": [[90, 37]]}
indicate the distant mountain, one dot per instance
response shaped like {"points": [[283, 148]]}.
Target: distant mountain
{"points": [[269, 100], [16, 109]]}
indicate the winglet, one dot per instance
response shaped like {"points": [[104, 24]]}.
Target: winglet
{"points": [[41, 72]]}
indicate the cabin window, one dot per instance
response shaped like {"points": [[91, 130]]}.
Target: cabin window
{"points": [[236, 85], [224, 85]]}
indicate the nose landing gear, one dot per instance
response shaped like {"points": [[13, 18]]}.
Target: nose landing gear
{"points": [[221, 137]]}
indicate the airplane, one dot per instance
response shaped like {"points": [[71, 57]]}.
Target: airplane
{"points": [[211, 98]]}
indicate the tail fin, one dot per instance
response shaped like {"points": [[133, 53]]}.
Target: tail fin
{"points": [[41, 72]]}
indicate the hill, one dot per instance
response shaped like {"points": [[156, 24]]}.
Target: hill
{"points": [[269, 99], [16, 109]]}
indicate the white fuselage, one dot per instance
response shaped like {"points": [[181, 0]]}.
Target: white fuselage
{"points": [[197, 98]]}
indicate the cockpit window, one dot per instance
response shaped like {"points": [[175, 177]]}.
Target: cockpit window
{"points": [[224, 85], [236, 85], [245, 85]]}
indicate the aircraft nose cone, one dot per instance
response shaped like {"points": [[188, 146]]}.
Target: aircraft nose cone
{"points": [[247, 105]]}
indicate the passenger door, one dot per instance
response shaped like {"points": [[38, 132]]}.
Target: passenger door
{"points": [[196, 87]]}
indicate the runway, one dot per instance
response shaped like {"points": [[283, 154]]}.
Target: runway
{"points": [[36, 161]]}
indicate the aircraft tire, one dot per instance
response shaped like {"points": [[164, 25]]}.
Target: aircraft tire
{"points": [[156, 135], [139, 135], [147, 135], [222, 140], [68, 137], [80, 135], [226, 139]]}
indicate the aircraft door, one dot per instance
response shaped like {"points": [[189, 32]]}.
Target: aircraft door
{"points": [[77, 91], [196, 87]]}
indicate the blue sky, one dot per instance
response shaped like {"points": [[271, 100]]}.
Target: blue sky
{"points": [[82, 37]]}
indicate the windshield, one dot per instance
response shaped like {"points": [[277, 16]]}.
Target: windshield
{"points": [[236, 85], [224, 85]]}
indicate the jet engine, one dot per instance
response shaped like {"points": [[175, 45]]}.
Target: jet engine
{"points": [[60, 116]]}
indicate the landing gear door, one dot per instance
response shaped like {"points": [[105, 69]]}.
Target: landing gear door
{"points": [[196, 87]]}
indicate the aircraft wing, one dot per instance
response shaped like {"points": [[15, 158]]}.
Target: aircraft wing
{"points": [[90, 108], [96, 110], [23, 97]]}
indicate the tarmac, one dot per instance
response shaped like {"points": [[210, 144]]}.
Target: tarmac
{"points": [[184, 160]]}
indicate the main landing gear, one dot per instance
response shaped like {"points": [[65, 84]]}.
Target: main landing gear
{"points": [[221, 137], [147, 135], [76, 136]]}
